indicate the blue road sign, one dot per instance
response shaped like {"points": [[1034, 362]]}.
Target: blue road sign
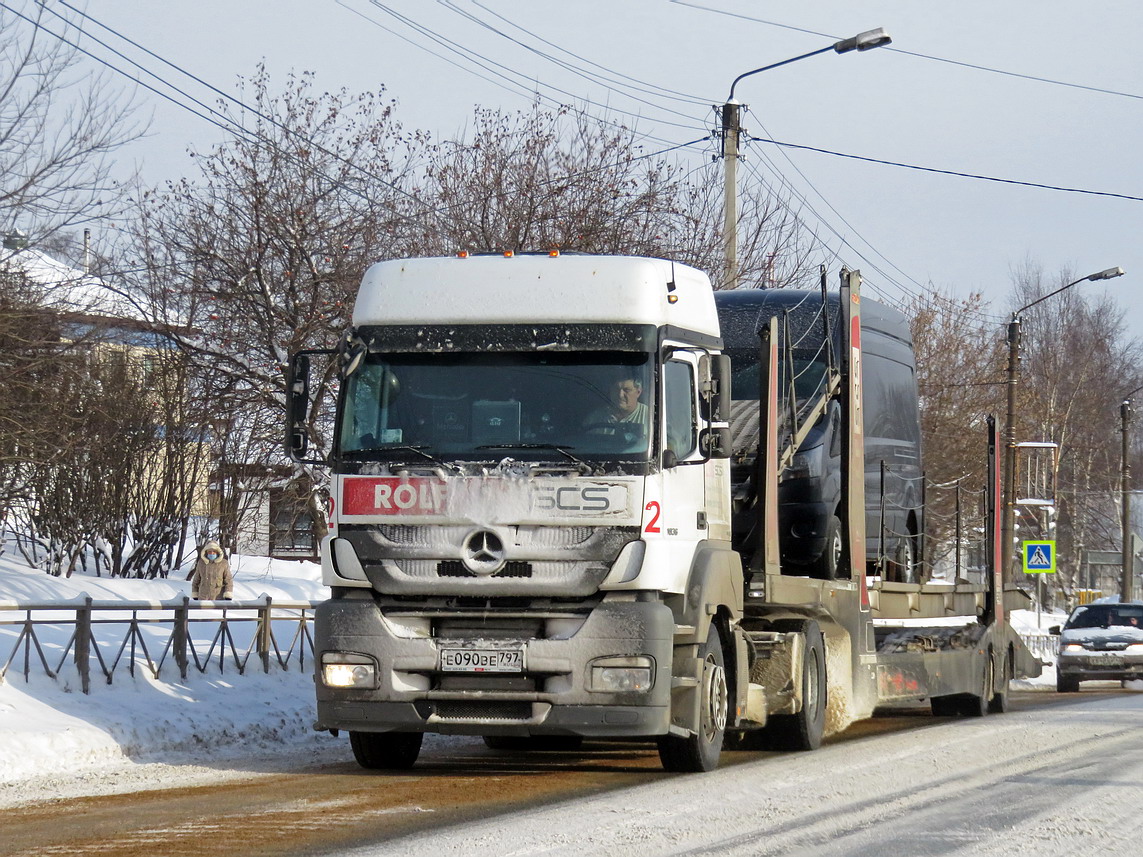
{"points": [[1039, 557]]}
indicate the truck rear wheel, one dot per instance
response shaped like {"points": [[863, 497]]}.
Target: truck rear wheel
{"points": [[999, 702], [978, 704], [804, 730], [700, 750], [393, 751]]}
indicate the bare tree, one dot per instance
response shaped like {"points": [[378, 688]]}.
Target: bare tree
{"points": [[960, 380], [1078, 363], [260, 254], [540, 180], [58, 125]]}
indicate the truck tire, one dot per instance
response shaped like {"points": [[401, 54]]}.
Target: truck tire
{"points": [[825, 566], [999, 702], [804, 730], [945, 706], [387, 751], [978, 704], [699, 751]]}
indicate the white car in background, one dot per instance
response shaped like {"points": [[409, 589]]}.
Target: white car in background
{"points": [[1102, 641]]}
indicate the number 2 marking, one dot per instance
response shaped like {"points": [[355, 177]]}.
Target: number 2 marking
{"points": [[653, 524]]}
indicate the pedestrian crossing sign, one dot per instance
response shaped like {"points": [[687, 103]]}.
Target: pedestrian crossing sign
{"points": [[1040, 557]]}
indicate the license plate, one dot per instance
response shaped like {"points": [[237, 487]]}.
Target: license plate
{"points": [[482, 660]]}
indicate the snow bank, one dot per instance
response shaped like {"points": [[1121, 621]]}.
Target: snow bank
{"points": [[52, 735]]}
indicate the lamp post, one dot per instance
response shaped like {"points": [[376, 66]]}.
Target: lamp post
{"points": [[1008, 524], [1127, 582], [731, 128]]}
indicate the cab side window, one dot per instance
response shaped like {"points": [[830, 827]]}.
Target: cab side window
{"points": [[679, 408]]}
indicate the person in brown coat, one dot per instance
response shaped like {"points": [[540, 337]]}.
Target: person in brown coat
{"points": [[211, 579]]}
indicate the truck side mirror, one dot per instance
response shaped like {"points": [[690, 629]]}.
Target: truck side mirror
{"points": [[715, 442], [714, 387], [297, 406]]}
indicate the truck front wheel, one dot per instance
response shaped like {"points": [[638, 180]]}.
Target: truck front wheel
{"points": [[392, 751], [700, 750]]}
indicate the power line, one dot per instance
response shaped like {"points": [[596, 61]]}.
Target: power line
{"points": [[489, 65], [593, 77], [1099, 89], [977, 176]]}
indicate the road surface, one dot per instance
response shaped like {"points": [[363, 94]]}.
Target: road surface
{"points": [[1058, 774]]}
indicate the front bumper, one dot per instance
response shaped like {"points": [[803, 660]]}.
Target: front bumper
{"points": [[550, 696], [1094, 666]]}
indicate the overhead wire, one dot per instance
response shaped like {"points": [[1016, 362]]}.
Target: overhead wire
{"points": [[957, 173], [681, 96], [229, 125], [226, 123], [989, 69], [491, 65], [593, 77]]}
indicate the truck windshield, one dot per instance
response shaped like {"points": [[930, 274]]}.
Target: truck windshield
{"points": [[529, 406]]}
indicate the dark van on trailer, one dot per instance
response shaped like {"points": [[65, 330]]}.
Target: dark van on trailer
{"points": [[810, 490]]}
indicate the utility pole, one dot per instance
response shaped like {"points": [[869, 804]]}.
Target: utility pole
{"points": [[1127, 584], [1008, 521], [731, 127]]}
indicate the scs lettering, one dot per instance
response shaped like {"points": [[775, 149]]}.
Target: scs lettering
{"points": [[572, 498]]}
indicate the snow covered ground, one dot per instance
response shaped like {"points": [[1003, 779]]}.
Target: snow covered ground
{"points": [[140, 733]]}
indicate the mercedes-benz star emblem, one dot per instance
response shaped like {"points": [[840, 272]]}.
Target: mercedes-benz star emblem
{"points": [[483, 552]]}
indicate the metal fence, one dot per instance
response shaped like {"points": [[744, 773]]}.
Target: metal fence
{"points": [[1041, 644], [105, 636]]}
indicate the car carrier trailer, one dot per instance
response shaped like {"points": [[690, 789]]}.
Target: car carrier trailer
{"points": [[532, 529]]}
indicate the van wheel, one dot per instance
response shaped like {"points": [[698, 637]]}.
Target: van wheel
{"points": [[825, 566], [804, 730], [394, 751], [905, 561], [700, 750]]}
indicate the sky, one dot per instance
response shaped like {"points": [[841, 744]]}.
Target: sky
{"points": [[963, 88]]}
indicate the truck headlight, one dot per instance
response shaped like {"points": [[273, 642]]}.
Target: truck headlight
{"points": [[1135, 649], [616, 674], [345, 669], [1071, 648]]}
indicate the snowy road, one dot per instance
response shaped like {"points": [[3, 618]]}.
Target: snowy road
{"points": [[1057, 775], [1061, 779]]}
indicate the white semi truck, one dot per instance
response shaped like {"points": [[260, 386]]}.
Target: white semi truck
{"points": [[531, 527]]}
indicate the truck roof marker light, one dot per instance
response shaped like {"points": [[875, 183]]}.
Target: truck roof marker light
{"points": [[462, 254], [508, 254], [553, 253]]}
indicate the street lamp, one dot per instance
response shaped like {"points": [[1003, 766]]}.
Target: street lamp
{"points": [[731, 128], [1008, 524], [1127, 582]]}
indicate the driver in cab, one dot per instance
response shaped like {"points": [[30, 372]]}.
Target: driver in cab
{"points": [[624, 411]]}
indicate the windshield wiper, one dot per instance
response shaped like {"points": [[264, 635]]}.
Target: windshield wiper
{"points": [[562, 450], [419, 449]]}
